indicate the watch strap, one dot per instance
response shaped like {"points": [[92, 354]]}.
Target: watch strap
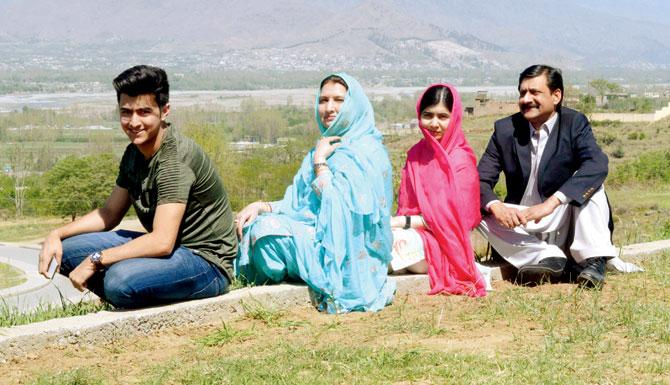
{"points": [[96, 259]]}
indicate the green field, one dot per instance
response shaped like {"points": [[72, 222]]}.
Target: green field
{"points": [[27, 229], [638, 153], [10, 276]]}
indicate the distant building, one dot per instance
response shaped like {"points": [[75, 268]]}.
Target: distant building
{"points": [[283, 141], [401, 128], [602, 101], [243, 145], [486, 106], [571, 101]]}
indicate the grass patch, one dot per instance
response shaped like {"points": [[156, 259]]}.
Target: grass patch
{"points": [[18, 230], [290, 364], [74, 377], [10, 276], [10, 316], [640, 216], [550, 334], [256, 310], [238, 283], [224, 335]]}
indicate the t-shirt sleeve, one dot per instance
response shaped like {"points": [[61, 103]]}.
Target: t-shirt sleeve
{"points": [[122, 179], [173, 181]]}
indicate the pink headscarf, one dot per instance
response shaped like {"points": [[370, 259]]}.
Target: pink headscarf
{"points": [[441, 183]]}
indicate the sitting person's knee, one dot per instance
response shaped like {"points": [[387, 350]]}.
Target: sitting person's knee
{"points": [[120, 290]]}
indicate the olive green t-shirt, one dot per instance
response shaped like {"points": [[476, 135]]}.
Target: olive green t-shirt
{"points": [[181, 172]]}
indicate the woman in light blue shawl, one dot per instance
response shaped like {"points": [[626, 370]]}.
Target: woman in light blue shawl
{"points": [[332, 229]]}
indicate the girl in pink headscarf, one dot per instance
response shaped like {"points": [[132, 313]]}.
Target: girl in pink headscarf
{"points": [[439, 200]]}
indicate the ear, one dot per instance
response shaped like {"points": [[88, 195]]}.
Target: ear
{"points": [[165, 111], [556, 96]]}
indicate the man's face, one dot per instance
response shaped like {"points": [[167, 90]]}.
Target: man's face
{"points": [[536, 102], [141, 119]]}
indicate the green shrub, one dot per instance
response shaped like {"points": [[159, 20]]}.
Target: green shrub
{"points": [[653, 167], [606, 123], [618, 153], [636, 135], [664, 230], [607, 139]]}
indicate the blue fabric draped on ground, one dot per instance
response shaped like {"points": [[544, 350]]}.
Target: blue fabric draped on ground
{"points": [[332, 232]]}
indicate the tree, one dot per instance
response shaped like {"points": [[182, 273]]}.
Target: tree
{"points": [[587, 104], [76, 185], [6, 195], [20, 159], [602, 87]]}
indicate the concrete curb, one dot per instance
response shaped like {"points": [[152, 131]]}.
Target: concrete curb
{"points": [[638, 250], [34, 281], [107, 326]]}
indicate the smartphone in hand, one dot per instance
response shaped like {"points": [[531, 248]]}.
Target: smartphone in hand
{"points": [[53, 267]]}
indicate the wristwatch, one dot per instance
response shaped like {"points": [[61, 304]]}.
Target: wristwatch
{"points": [[96, 259]]}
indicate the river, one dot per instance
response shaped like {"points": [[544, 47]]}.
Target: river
{"points": [[219, 99]]}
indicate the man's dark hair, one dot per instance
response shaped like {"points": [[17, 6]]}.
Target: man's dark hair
{"points": [[437, 95], [143, 79], [554, 77]]}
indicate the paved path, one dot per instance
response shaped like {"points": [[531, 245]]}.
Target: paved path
{"points": [[37, 291]]}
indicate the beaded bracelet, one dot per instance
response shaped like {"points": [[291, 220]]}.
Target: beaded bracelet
{"points": [[266, 206], [317, 166]]}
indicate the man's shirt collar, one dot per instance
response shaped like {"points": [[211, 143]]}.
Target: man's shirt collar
{"points": [[547, 126]]}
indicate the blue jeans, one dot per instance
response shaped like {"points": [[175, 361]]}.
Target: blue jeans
{"points": [[141, 282]]}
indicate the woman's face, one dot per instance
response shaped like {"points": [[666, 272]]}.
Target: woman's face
{"points": [[330, 101], [436, 119]]}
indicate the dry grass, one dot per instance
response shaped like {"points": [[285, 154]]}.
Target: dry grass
{"points": [[550, 334]]}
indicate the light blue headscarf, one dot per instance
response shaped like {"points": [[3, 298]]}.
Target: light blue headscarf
{"points": [[351, 221]]}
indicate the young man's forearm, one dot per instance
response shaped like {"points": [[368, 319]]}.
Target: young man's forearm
{"points": [[91, 222], [158, 243]]}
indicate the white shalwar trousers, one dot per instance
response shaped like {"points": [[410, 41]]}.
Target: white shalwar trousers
{"points": [[408, 251], [581, 232]]}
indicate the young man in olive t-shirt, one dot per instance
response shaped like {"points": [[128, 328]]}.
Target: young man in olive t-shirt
{"points": [[190, 242]]}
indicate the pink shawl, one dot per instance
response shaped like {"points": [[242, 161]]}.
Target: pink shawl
{"points": [[441, 183]]}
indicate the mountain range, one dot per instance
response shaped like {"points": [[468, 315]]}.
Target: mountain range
{"points": [[320, 34]]}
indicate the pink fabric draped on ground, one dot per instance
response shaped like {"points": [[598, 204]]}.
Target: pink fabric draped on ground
{"points": [[440, 182]]}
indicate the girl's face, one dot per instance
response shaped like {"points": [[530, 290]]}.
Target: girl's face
{"points": [[436, 119]]}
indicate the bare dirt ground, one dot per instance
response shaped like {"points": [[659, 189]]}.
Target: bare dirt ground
{"points": [[551, 333], [436, 323]]}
